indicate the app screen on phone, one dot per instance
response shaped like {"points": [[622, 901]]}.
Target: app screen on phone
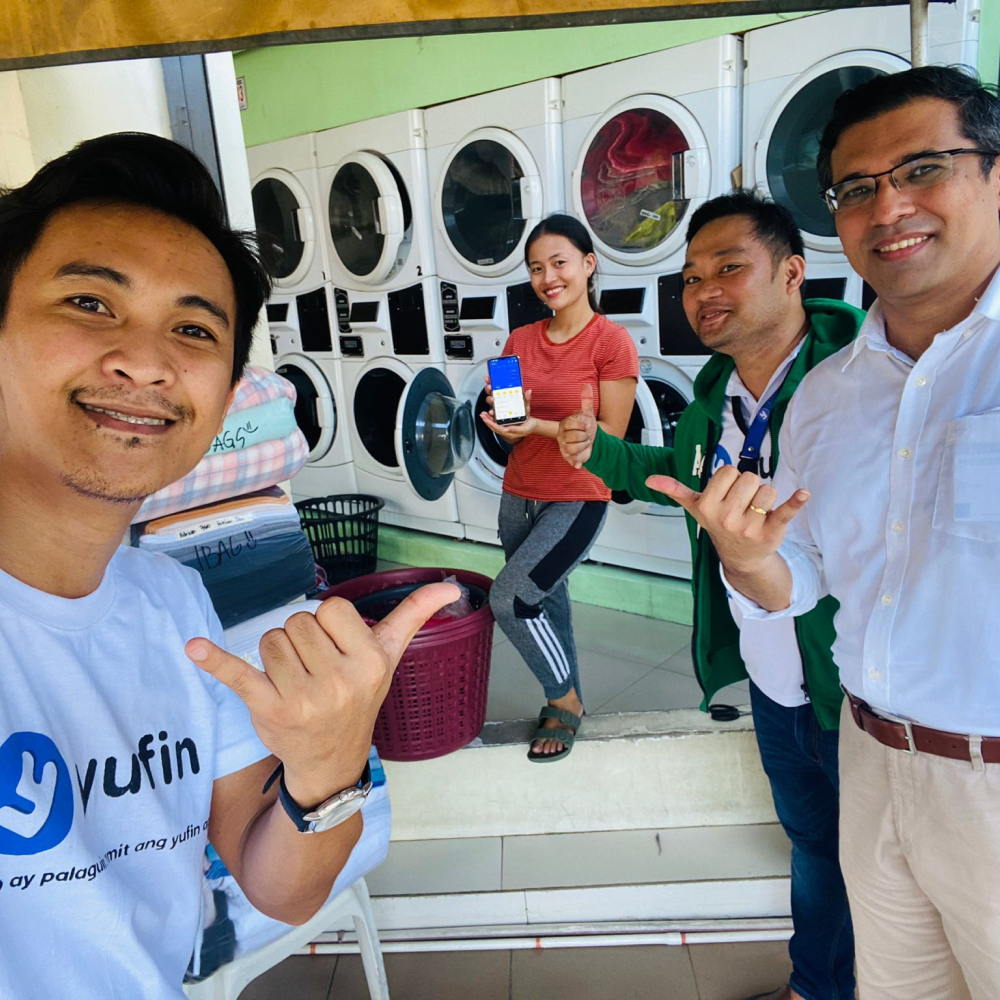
{"points": [[508, 395]]}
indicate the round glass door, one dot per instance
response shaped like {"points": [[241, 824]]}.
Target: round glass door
{"points": [[794, 146], [670, 404], [369, 215], [482, 203], [643, 428], [632, 180], [496, 449], [315, 408], [435, 433], [375, 401], [446, 434], [276, 213]]}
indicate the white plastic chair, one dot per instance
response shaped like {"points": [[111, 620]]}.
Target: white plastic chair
{"points": [[354, 902]]}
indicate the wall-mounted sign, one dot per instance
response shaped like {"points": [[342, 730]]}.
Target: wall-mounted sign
{"points": [[241, 92]]}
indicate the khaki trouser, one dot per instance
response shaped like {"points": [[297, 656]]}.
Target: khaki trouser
{"points": [[920, 852]]}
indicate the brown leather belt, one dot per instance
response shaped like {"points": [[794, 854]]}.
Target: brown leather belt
{"points": [[911, 738]]}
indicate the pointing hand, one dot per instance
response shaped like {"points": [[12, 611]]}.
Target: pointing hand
{"points": [[738, 511], [325, 677]]}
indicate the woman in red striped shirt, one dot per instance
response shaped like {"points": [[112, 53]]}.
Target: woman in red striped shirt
{"points": [[550, 513]]}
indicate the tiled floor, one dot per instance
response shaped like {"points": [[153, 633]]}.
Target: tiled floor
{"points": [[627, 664], [564, 860], [652, 972]]}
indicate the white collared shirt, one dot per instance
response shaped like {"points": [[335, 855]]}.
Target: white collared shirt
{"points": [[902, 460], [769, 649]]}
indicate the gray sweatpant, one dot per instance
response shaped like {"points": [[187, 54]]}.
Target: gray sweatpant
{"points": [[544, 543]]}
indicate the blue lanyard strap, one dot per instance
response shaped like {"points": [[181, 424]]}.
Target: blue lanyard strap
{"points": [[754, 434]]}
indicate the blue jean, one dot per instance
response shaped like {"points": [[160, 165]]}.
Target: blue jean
{"points": [[800, 761]]}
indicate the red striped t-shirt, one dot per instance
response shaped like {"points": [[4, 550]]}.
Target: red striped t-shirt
{"points": [[555, 373]]}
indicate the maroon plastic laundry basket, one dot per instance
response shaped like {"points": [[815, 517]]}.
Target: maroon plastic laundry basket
{"points": [[437, 701]]}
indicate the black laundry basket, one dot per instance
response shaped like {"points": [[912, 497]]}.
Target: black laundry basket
{"points": [[343, 532]]}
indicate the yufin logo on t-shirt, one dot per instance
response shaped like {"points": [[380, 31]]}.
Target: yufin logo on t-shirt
{"points": [[36, 795]]}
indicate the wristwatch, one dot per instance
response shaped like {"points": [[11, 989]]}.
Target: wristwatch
{"points": [[334, 811]]}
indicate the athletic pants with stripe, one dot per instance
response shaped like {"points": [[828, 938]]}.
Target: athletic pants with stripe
{"points": [[544, 542]]}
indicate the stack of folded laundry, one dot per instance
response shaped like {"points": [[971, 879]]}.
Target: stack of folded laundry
{"points": [[228, 519], [260, 445], [251, 551]]}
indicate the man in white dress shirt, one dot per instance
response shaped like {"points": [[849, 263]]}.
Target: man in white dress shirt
{"points": [[897, 441]]}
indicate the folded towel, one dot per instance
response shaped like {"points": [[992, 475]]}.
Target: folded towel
{"points": [[229, 474], [242, 458], [269, 421]]}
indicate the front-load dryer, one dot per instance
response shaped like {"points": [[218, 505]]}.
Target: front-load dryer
{"points": [[321, 404], [377, 232], [285, 196], [640, 535], [795, 71], [409, 435], [495, 170], [479, 484], [647, 141]]}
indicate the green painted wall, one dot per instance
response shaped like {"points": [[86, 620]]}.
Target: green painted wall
{"points": [[989, 41], [646, 594], [306, 88]]}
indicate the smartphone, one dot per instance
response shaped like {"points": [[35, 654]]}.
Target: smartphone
{"points": [[508, 393]]}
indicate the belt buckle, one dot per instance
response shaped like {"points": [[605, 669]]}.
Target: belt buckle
{"points": [[911, 747]]}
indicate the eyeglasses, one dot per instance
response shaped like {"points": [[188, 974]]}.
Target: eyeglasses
{"points": [[920, 172]]}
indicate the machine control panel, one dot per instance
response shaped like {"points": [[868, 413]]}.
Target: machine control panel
{"points": [[314, 321], [459, 347], [676, 336], [524, 306], [408, 321], [343, 306], [352, 347], [449, 306]]}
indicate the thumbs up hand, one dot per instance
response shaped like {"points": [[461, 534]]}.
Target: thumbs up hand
{"points": [[325, 677], [578, 430]]}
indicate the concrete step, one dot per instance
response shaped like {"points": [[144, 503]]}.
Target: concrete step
{"points": [[627, 771]]}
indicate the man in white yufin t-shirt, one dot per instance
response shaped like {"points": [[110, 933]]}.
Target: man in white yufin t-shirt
{"points": [[128, 737]]}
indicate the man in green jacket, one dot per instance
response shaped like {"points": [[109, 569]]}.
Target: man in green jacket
{"points": [[742, 295]]}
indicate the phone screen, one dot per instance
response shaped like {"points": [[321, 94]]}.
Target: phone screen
{"points": [[508, 394]]}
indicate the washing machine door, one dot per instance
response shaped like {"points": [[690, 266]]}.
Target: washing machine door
{"points": [[315, 405], [488, 200], [489, 460], [643, 166], [645, 426], [671, 390], [370, 221], [785, 156], [492, 451], [435, 433], [284, 219]]}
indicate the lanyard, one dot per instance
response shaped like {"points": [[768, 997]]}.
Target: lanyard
{"points": [[754, 434]]}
